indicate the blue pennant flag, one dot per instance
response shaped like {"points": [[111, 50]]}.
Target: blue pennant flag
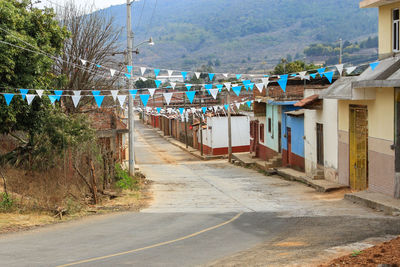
{"points": [[133, 93], [208, 91], [251, 86], [52, 98], [8, 98], [266, 76], [238, 76], [99, 99], [226, 106], [246, 82], [246, 85], [190, 96], [97, 65], [219, 86], [145, 99], [321, 71], [58, 93], [94, 93], [158, 110], [156, 72], [285, 76], [158, 83], [128, 75], [374, 65], [208, 86], [23, 93], [237, 90], [248, 104], [293, 75], [204, 109], [313, 75], [129, 68], [282, 83], [184, 74], [188, 86], [181, 110], [211, 76], [329, 76]]}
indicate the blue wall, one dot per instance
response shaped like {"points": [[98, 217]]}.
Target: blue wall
{"points": [[297, 126]]}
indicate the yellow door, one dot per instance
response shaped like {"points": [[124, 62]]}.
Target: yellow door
{"points": [[358, 147]]}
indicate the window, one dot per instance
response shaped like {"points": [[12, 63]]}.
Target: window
{"points": [[269, 125], [395, 29], [262, 132]]}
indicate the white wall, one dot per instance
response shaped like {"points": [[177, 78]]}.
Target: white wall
{"points": [[328, 116], [217, 136]]}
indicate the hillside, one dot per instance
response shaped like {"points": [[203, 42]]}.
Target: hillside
{"points": [[233, 34]]}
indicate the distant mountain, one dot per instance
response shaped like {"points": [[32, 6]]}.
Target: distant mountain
{"points": [[240, 35]]}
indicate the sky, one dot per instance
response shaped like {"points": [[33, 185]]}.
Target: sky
{"points": [[99, 4]]}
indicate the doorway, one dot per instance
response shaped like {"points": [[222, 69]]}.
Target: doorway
{"points": [[358, 147], [289, 146], [279, 137], [320, 144]]}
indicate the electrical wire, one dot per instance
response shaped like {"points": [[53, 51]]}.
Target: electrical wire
{"points": [[151, 20]]}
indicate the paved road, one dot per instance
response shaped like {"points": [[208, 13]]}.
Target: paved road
{"points": [[203, 213]]}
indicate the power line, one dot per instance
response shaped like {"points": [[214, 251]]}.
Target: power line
{"points": [[151, 19]]}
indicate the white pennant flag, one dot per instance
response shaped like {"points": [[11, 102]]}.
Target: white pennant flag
{"points": [[258, 100], [121, 99], [307, 77], [302, 74], [151, 91], [265, 81], [260, 86], [237, 105], [173, 85], [83, 61], [40, 93], [228, 86], [350, 69], [340, 68], [112, 72], [30, 98], [77, 93], [114, 94], [225, 75], [143, 79], [197, 75], [170, 73], [215, 108], [214, 92], [142, 70], [76, 99], [168, 97]]}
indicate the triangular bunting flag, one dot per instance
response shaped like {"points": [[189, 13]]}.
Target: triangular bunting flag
{"points": [[129, 68], [208, 86], [374, 65], [246, 82], [158, 110], [184, 74], [145, 99], [156, 72], [23, 93], [248, 104], [39, 93], [204, 109], [321, 71], [285, 76], [225, 75], [29, 98], [170, 72], [133, 93], [238, 76], [114, 94], [75, 100], [211, 76], [99, 99], [329, 76], [127, 75], [77, 92], [265, 81], [302, 74], [260, 87], [83, 61], [214, 93], [158, 83], [350, 69], [339, 67], [121, 100], [251, 86], [167, 97], [237, 89], [313, 75], [151, 91], [97, 65], [188, 86], [112, 72], [282, 83], [173, 85], [58, 93], [142, 70], [96, 93], [197, 74], [190, 96], [143, 79], [228, 86], [181, 110], [237, 105], [52, 98], [226, 106], [8, 98], [219, 86]]}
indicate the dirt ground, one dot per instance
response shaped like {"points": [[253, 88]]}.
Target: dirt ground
{"points": [[385, 253]]}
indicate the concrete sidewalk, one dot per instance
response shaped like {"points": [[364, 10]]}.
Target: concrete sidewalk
{"points": [[380, 202]]}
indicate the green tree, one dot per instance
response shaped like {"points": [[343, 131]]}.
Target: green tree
{"points": [[292, 67]]}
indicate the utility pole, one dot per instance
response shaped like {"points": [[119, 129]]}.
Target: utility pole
{"points": [[229, 128], [341, 49], [184, 117], [201, 127], [131, 118]]}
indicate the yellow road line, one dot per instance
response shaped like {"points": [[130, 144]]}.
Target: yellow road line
{"points": [[155, 245]]}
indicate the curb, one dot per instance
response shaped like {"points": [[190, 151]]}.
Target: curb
{"points": [[373, 204]]}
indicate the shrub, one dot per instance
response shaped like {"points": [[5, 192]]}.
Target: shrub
{"points": [[6, 202], [124, 180]]}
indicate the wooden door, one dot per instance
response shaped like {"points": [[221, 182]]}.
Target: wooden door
{"points": [[257, 138], [279, 137], [358, 146], [289, 146], [320, 144]]}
